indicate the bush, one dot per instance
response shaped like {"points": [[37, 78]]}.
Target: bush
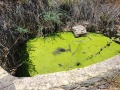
{"points": [[52, 16], [51, 21]]}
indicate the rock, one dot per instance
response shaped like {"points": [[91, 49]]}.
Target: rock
{"points": [[104, 86], [87, 83], [1, 87], [70, 87], [81, 88], [56, 89], [93, 88], [79, 30]]}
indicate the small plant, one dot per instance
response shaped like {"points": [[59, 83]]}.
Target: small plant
{"points": [[21, 30], [50, 22], [51, 16]]}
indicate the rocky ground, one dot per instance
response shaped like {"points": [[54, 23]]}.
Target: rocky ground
{"points": [[96, 83]]}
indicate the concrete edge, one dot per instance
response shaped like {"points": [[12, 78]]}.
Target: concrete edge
{"points": [[44, 82]]}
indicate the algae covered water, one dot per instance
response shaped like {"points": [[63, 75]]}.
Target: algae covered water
{"points": [[64, 52]]}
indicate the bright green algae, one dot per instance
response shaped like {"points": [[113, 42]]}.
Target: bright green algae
{"points": [[65, 52]]}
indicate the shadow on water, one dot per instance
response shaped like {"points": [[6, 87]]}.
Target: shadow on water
{"points": [[27, 65]]}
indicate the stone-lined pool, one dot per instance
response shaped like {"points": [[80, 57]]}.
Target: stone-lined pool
{"points": [[64, 52]]}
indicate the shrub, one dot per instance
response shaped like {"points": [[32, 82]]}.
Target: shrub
{"points": [[52, 16], [51, 21]]}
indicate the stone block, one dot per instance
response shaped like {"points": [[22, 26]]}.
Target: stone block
{"points": [[79, 30]]}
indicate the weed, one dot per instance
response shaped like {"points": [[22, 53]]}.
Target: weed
{"points": [[51, 16], [22, 30], [51, 21]]}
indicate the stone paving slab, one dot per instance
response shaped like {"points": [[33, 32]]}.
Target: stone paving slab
{"points": [[54, 81]]}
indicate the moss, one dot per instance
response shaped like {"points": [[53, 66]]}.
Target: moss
{"points": [[78, 52]]}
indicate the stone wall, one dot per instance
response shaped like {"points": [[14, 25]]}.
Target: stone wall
{"points": [[94, 77]]}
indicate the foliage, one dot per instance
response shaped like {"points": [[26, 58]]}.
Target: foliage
{"points": [[51, 21], [53, 16], [22, 30]]}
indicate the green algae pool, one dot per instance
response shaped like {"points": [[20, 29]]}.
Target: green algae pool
{"points": [[64, 52]]}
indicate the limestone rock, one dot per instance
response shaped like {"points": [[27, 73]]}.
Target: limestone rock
{"points": [[79, 30]]}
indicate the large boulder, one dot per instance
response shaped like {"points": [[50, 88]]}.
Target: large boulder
{"points": [[79, 30]]}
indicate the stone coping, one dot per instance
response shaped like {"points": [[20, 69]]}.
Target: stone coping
{"points": [[47, 81]]}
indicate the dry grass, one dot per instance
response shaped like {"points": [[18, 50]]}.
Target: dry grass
{"points": [[12, 16]]}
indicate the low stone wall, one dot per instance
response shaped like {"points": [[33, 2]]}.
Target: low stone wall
{"points": [[62, 80]]}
